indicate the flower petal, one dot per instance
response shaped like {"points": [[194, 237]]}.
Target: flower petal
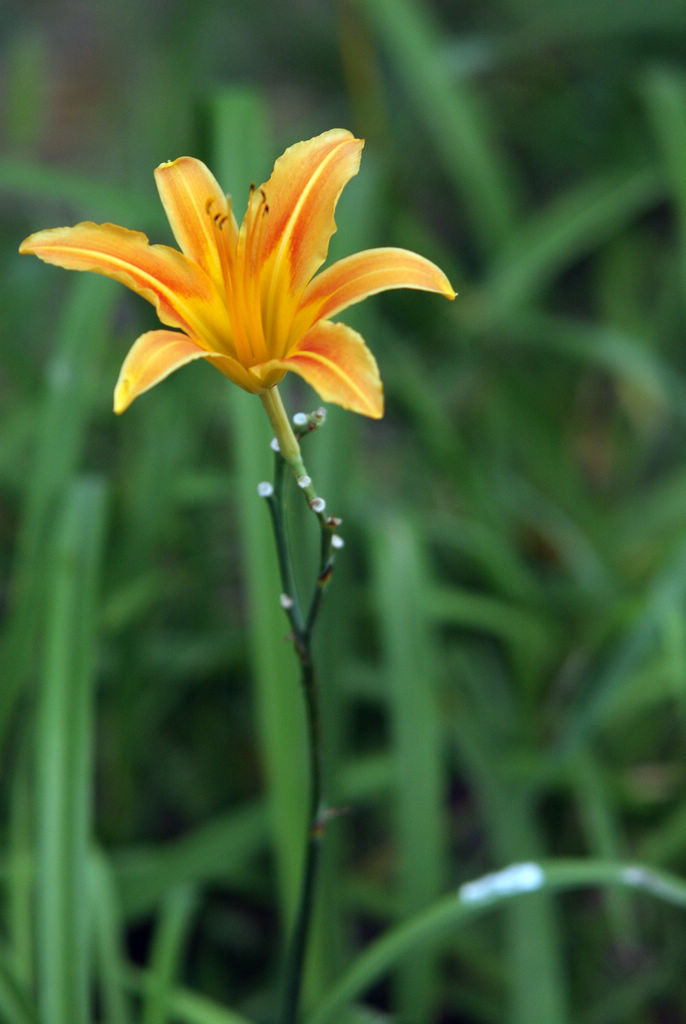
{"points": [[335, 361], [366, 273], [301, 197], [181, 292], [151, 358], [156, 354], [198, 212]]}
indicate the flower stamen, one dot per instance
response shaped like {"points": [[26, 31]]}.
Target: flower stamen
{"points": [[223, 247]]}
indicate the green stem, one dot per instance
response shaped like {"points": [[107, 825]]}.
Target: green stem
{"points": [[289, 447], [288, 443], [277, 511], [302, 627], [295, 958]]}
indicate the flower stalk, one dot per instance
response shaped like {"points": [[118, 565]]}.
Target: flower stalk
{"points": [[283, 431], [303, 620]]}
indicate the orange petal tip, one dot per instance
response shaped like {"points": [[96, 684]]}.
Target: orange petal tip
{"points": [[335, 361], [26, 246], [166, 164], [120, 404]]}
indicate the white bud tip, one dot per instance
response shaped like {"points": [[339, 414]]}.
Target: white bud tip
{"points": [[300, 419], [274, 445], [304, 481], [286, 602], [317, 504], [265, 489], [337, 542]]}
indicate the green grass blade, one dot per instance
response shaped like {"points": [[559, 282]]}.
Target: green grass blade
{"points": [[19, 880], [218, 849], [61, 434], [533, 940], [621, 1001], [64, 742], [570, 24], [468, 609], [452, 114], [15, 1004], [560, 234], [482, 896], [664, 91], [108, 928], [615, 350], [170, 937], [666, 843], [185, 1007], [408, 646], [83, 195], [600, 822], [604, 689], [482, 729]]}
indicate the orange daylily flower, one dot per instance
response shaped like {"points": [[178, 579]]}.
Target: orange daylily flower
{"points": [[249, 299]]}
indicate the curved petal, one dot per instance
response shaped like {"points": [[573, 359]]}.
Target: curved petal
{"points": [[199, 213], [335, 361], [156, 354], [301, 197], [366, 273], [182, 293], [150, 359]]}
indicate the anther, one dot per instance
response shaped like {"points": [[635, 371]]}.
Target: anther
{"points": [[333, 521], [209, 203]]}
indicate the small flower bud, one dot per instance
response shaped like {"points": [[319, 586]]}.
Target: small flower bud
{"points": [[300, 419], [333, 521], [265, 489], [337, 542], [304, 481], [317, 504], [274, 445], [286, 602]]}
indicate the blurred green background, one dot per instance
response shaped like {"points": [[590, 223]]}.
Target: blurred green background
{"points": [[503, 655]]}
